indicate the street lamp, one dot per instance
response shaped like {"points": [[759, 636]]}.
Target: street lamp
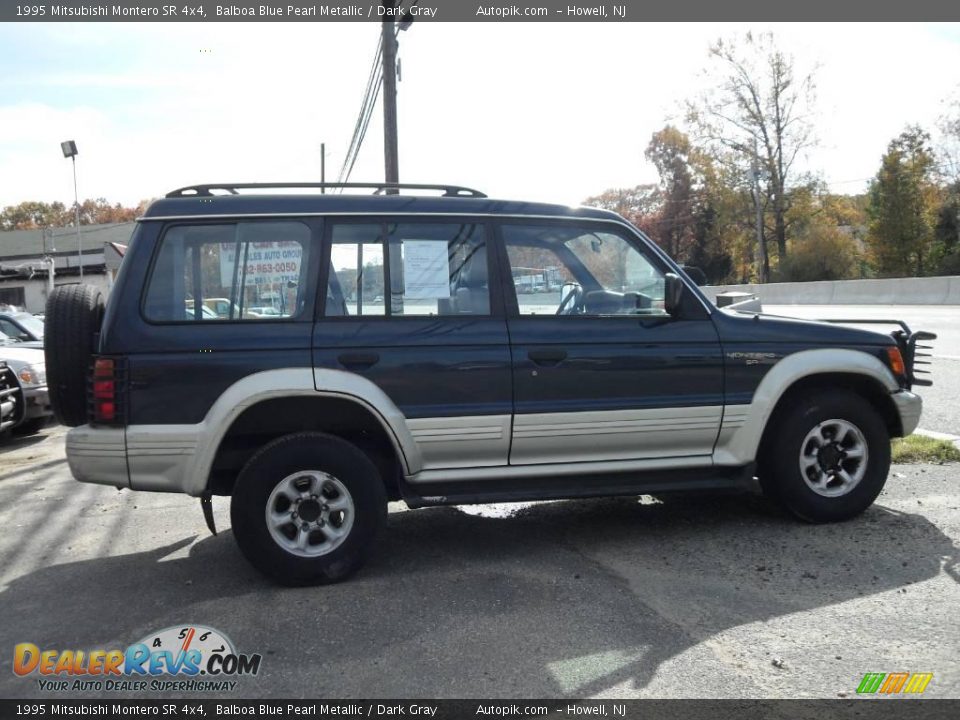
{"points": [[69, 149]]}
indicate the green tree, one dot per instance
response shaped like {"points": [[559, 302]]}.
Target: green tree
{"points": [[946, 233], [100, 212], [756, 113], [636, 204], [903, 203], [947, 227], [822, 250], [670, 152], [33, 214], [826, 233], [708, 251], [689, 222]]}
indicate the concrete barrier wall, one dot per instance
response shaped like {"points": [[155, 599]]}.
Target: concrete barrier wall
{"points": [[892, 291]]}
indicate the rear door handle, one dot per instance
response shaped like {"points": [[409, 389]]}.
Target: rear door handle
{"points": [[547, 357], [358, 361]]}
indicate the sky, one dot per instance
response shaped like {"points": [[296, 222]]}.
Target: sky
{"points": [[540, 111]]}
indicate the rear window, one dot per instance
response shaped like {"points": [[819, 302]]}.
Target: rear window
{"points": [[243, 271]]}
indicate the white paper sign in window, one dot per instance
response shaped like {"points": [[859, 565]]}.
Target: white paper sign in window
{"points": [[426, 269]]}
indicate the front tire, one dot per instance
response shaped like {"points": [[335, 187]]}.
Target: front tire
{"points": [[30, 427], [827, 458], [307, 508]]}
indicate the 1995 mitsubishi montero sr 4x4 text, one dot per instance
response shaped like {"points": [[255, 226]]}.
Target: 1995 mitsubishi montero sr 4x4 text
{"points": [[316, 355]]}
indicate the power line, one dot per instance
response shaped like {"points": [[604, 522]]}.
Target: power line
{"points": [[365, 106], [936, 167], [375, 82], [363, 117], [363, 127]]}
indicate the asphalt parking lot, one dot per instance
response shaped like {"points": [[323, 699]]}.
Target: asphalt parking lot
{"points": [[707, 596]]}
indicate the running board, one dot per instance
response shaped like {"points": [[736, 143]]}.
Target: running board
{"points": [[577, 486]]}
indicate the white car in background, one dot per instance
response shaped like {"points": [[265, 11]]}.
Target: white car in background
{"points": [[31, 405]]}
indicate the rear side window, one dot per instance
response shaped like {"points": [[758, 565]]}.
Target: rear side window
{"points": [[404, 269], [244, 271]]}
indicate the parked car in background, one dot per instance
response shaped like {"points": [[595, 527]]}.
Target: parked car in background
{"points": [[31, 404], [205, 312], [33, 344], [265, 311], [222, 307], [21, 325], [11, 398]]}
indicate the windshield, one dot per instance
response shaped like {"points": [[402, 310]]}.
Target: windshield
{"points": [[32, 324]]}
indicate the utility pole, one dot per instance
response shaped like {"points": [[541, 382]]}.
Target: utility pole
{"points": [[76, 210], [48, 258], [391, 159], [323, 167], [69, 149], [761, 244]]}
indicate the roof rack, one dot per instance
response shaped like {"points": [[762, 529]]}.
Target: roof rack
{"points": [[378, 188]]}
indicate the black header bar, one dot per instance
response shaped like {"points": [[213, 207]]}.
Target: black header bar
{"points": [[841, 709], [854, 11]]}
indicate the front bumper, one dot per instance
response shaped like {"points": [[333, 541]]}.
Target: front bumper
{"points": [[36, 402], [909, 406]]}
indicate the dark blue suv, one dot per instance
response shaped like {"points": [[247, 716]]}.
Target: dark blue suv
{"points": [[316, 355]]}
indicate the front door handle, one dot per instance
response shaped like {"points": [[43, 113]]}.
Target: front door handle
{"points": [[547, 357], [358, 361]]}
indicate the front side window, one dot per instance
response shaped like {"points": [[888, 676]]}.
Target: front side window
{"points": [[574, 270], [404, 269], [237, 271]]}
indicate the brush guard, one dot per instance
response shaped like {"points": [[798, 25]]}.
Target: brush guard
{"points": [[909, 343]]}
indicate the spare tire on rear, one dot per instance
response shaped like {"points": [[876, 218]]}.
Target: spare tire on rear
{"points": [[72, 320]]}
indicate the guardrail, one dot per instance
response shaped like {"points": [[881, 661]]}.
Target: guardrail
{"points": [[738, 300], [887, 291]]}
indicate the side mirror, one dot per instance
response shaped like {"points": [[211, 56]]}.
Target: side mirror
{"points": [[695, 274], [566, 289], [673, 293]]}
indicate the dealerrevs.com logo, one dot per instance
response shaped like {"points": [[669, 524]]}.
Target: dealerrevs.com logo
{"points": [[179, 658]]}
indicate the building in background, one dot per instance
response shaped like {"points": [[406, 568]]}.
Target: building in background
{"points": [[25, 259]]}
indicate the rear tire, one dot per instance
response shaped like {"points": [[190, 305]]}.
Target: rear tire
{"points": [[73, 317], [827, 458], [307, 508]]}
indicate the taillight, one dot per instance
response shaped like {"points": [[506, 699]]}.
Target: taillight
{"points": [[105, 387]]}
